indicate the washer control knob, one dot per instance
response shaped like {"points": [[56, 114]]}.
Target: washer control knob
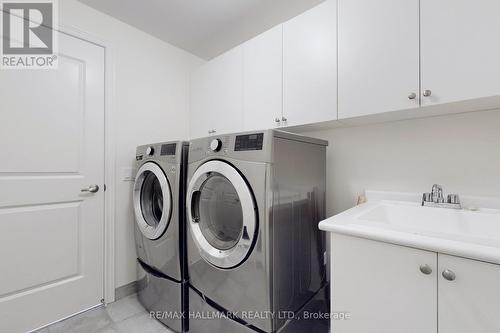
{"points": [[215, 145], [150, 151]]}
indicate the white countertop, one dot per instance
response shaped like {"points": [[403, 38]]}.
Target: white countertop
{"points": [[399, 218]]}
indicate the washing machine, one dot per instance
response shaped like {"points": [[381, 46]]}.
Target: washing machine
{"points": [[160, 228], [255, 254]]}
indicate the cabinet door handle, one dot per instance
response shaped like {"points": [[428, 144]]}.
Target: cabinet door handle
{"points": [[449, 275], [426, 269], [427, 93], [277, 120], [412, 95], [284, 119]]}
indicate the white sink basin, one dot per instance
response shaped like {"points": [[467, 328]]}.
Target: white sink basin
{"points": [[472, 234], [449, 223]]}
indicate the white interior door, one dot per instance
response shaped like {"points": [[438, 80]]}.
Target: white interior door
{"points": [[52, 144]]}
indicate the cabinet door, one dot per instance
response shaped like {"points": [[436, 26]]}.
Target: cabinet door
{"points": [[471, 302], [382, 288], [226, 87], [262, 80], [310, 66], [378, 56], [201, 102], [460, 49]]}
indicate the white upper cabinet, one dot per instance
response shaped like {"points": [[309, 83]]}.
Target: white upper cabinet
{"points": [[227, 113], [310, 66], [201, 102], [460, 49], [391, 55], [378, 56], [217, 95], [262, 80]]}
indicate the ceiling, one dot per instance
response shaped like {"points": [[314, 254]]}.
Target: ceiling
{"points": [[205, 28]]}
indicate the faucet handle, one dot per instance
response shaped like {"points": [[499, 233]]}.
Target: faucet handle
{"points": [[437, 193], [437, 188], [453, 199]]}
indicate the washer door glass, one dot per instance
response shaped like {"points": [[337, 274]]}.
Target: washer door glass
{"points": [[222, 214], [152, 200]]}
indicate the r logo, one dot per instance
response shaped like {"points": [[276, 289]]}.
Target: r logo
{"points": [[28, 28]]}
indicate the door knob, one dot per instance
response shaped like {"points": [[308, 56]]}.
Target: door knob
{"points": [[412, 96], [449, 275], [427, 93], [426, 269], [91, 189]]}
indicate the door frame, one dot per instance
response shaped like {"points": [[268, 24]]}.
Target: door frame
{"points": [[109, 156]]}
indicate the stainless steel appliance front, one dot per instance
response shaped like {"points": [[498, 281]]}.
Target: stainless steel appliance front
{"points": [[159, 201], [275, 181]]}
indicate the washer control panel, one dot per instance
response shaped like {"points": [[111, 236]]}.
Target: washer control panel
{"points": [[150, 151], [167, 152], [168, 149], [249, 142], [215, 145]]}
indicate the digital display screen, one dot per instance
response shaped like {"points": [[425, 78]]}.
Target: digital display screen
{"points": [[249, 142], [168, 149]]}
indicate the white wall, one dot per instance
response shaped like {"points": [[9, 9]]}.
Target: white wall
{"points": [[150, 104], [460, 152]]}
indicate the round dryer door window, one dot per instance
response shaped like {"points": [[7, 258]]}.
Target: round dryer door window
{"points": [[152, 200], [222, 214]]}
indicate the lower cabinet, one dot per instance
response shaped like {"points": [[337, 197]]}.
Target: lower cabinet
{"points": [[393, 289], [471, 301], [381, 287]]}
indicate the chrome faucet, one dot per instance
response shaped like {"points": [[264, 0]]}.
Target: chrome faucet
{"points": [[437, 194], [436, 199]]}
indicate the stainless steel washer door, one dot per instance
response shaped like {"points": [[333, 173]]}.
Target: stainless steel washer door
{"points": [[222, 214], [152, 200]]}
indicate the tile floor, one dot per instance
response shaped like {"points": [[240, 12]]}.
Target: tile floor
{"points": [[126, 315]]}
